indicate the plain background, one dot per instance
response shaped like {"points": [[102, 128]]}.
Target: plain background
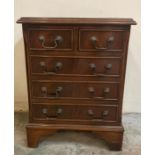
{"points": [[81, 8]]}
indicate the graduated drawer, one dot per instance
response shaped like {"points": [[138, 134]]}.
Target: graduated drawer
{"points": [[75, 90], [101, 40], [74, 113], [105, 66], [51, 39]]}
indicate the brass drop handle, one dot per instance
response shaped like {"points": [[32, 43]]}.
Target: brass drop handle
{"points": [[93, 69], [104, 113], [58, 66], [91, 90], [94, 41], [58, 39], [43, 65], [55, 94], [59, 111]]}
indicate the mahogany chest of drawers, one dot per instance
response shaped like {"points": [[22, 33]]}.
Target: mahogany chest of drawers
{"points": [[75, 75]]}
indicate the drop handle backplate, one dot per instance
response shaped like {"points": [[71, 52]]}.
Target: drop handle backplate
{"points": [[91, 113], [56, 42], [56, 93], [93, 69], [44, 91], [105, 113], [59, 111], [106, 90], [94, 42], [44, 111], [44, 67], [108, 66], [58, 66], [93, 66], [91, 89]]}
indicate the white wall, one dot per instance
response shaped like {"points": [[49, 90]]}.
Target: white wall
{"points": [[81, 8]]}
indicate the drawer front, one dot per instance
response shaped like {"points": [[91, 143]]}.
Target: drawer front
{"points": [[76, 66], [51, 39], [80, 90], [83, 113], [101, 40]]}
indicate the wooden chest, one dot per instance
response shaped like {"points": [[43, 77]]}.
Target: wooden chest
{"points": [[75, 76]]}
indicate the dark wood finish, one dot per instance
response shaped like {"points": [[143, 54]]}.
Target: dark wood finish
{"points": [[75, 75], [73, 114], [113, 136], [49, 36], [100, 40], [113, 139], [100, 66], [72, 90], [34, 135]]}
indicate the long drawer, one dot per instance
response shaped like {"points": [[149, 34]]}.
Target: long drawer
{"points": [[75, 90], [87, 66], [82, 114]]}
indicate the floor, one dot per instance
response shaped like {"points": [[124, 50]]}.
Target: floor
{"points": [[79, 143]]}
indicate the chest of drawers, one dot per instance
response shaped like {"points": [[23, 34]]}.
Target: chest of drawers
{"points": [[75, 76]]}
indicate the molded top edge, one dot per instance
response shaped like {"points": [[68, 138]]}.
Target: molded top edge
{"points": [[84, 21]]}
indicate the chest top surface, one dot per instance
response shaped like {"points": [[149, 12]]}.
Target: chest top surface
{"points": [[84, 21]]}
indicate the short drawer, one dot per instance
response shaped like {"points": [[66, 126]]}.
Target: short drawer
{"points": [[69, 113], [107, 66], [78, 90], [51, 39], [101, 40]]}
